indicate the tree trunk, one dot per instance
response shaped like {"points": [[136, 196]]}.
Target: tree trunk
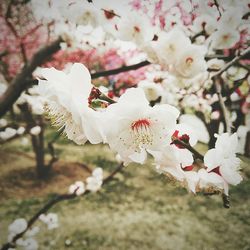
{"points": [[247, 145], [37, 141]]}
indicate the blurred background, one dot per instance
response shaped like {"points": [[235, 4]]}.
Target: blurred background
{"points": [[138, 208]]}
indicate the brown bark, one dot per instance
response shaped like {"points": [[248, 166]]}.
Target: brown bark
{"points": [[37, 141], [20, 83]]}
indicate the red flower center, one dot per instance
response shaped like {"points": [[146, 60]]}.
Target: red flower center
{"points": [[140, 124], [137, 29], [189, 60]]}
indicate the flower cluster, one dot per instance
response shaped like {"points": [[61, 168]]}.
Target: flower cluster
{"points": [[19, 226], [51, 220], [93, 183], [133, 128]]}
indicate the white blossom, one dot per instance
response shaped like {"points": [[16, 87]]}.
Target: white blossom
{"points": [[197, 125], [28, 244], [3, 122], [170, 45], [51, 220], [20, 130], [8, 133], [222, 159], [136, 127], [35, 130], [135, 28], [93, 184], [191, 61], [224, 38], [78, 187], [67, 103], [17, 227], [152, 90], [95, 181]]}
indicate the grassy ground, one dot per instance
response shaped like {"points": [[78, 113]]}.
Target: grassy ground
{"points": [[139, 209]]}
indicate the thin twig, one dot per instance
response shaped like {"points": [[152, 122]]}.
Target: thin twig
{"points": [[189, 147], [119, 70], [201, 33], [50, 204], [217, 6], [224, 111], [217, 84], [232, 62]]}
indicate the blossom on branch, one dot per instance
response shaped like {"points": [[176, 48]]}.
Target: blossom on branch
{"points": [[67, 103], [136, 127], [222, 160]]}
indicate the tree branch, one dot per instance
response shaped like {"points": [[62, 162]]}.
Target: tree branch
{"points": [[119, 70], [217, 84], [232, 62], [217, 6], [224, 111], [19, 83], [51, 203]]}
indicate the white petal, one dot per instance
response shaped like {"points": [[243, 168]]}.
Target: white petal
{"points": [[230, 175], [176, 172], [80, 80], [192, 180], [139, 157], [213, 159], [53, 75], [134, 95], [92, 124]]}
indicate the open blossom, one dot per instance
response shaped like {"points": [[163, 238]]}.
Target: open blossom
{"points": [[178, 164], [231, 17], [51, 220], [170, 45], [208, 180], [176, 53], [81, 12], [67, 103], [177, 161], [136, 127], [135, 28], [78, 187], [205, 22], [222, 160], [152, 90], [224, 38], [191, 62], [197, 126]]}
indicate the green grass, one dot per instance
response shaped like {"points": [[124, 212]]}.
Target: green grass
{"points": [[139, 209]]}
